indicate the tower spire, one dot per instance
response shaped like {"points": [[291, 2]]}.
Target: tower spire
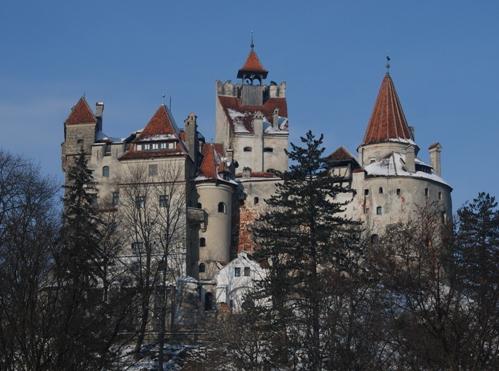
{"points": [[388, 122]]}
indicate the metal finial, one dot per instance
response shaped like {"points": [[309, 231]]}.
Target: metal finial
{"points": [[252, 45], [388, 64], [164, 99]]}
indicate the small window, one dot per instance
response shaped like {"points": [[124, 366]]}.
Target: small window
{"points": [[247, 149], [202, 268], [237, 272], [398, 191], [202, 242], [116, 198], [268, 149], [374, 238], [222, 208], [379, 210], [153, 170], [137, 247], [79, 141], [247, 271], [155, 146], [380, 190], [163, 201], [444, 217], [172, 145], [146, 147], [439, 195], [199, 205], [162, 145], [366, 192], [256, 200], [373, 160], [140, 202], [366, 210], [426, 192], [105, 171]]}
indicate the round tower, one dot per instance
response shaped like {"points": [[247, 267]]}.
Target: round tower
{"points": [[215, 191], [392, 184]]}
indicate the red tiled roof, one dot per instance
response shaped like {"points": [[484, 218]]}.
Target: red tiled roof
{"points": [[81, 113], [140, 155], [267, 109], [340, 154], [252, 65], [388, 120], [258, 174], [160, 124], [208, 166]]}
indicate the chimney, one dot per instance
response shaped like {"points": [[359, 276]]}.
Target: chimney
{"points": [[275, 118], [435, 149], [191, 137], [410, 159], [99, 111], [412, 129]]}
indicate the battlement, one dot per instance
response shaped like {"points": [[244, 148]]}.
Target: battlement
{"points": [[272, 90]]}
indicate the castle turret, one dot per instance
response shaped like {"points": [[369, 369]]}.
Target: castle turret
{"points": [[215, 189], [80, 129]]}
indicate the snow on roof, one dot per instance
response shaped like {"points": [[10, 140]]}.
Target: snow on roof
{"points": [[394, 165]]}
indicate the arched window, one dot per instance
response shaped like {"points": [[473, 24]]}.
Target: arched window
{"points": [[202, 242], [202, 268], [247, 149], [105, 171], [222, 208]]}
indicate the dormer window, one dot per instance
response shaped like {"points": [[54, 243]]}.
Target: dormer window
{"points": [[146, 147], [162, 145], [155, 146]]}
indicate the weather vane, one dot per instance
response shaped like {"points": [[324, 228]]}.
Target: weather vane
{"points": [[388, 64], [252, 45]]}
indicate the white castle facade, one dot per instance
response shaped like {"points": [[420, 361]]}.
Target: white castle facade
{"points": [[214, 191]]}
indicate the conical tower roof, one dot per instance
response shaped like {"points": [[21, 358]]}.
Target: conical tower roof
{"points": [[252, 66], [81, 113], [388, 122]]}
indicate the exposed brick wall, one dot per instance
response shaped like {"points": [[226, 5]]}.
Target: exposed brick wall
{"points": [[247, 217]]}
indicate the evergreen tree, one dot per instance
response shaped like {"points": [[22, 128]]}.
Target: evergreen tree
{"points": [[310, 248], [477, 266], [88, 324], [80, 232]]}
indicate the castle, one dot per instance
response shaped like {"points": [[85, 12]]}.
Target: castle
{"points": [[219, 188]]}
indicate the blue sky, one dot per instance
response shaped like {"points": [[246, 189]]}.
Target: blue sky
{"points": [[445, 62]]}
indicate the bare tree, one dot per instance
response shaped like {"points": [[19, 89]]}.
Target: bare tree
{"points": [[153, 219]]}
